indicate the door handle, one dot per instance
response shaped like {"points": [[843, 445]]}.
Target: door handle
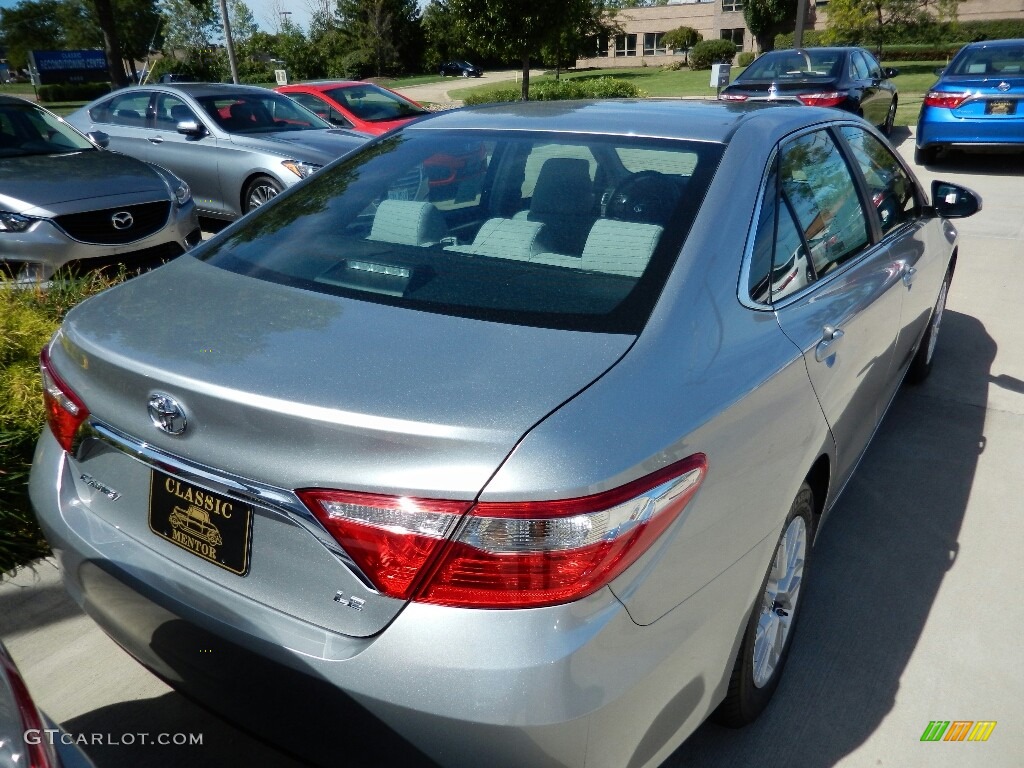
{"points": [[908, 276], [830, 338], [156, 139]]}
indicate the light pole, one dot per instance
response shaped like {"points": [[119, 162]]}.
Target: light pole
{"points": [[801, 19], [285, 20], [229, 44]]}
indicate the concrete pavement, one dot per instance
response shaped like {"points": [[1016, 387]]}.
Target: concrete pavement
{"points": [[913, 610]]}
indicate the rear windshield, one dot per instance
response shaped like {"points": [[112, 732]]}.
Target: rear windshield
{"points": [[536, 229], [794, 65], [996, 60]]}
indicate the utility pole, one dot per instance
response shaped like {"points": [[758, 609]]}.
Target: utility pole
{"points": [[801, 20], [229, 43]]}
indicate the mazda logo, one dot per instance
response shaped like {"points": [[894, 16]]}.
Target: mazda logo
{"points": [[122, 220], [166, 414]]}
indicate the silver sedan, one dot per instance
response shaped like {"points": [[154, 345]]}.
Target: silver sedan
{"points": [[64, 202], [236, 145], [510, 433]]}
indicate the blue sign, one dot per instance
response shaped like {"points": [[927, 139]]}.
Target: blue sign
{"points": [[87, 66]]}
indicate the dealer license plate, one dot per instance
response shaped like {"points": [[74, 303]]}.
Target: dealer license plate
{"points": [[209, 525]]}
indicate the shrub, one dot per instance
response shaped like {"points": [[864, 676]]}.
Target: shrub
{"points": [[745, 59], [708, 52], [558, 90], [28, 317], [72, 91], [682, 38]]}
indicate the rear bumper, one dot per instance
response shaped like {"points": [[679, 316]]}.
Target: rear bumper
{"points": [[941, 126], [576, 685]]}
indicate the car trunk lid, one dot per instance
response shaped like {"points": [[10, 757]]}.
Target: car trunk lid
{"points": [[285, 389]]}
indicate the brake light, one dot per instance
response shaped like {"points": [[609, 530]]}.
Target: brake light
{"points": [[508, 554], [827, 99], [65, 412], [946, 100], [38, 749], [732, 97]]}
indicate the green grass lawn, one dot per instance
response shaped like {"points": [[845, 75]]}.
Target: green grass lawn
{"points": [[913, 81], [404, 82]]}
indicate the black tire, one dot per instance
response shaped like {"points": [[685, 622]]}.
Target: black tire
{"points": [[259, 191], [751, 689], [921, 365], [926, 155], [890, 118]]}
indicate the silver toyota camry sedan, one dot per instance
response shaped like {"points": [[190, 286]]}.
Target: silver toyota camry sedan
{"points": [[509, 433]]}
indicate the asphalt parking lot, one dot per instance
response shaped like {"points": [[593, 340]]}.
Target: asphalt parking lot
{"points": [[913, 610]]}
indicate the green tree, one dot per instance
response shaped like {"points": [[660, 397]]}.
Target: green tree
{"points": [[521, 29], [875, 21], [380, 36], [682, 38], [32, 25], [768, 18], [444, 37]]}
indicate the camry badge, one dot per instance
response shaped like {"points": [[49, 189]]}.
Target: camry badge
{"points": [[1003, 86], [166, 414], [122, 220]]}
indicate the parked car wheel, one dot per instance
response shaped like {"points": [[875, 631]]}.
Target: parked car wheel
{"points": [[890, 118], [260, 190], [769, 632], [921, 365]]}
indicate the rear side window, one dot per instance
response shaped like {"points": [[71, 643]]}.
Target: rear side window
{"points": [[820, 188], [540, 229], [125, 109]]}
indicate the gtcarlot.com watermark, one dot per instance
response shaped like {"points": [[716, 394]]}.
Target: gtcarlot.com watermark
{"points": [[54, 736]]}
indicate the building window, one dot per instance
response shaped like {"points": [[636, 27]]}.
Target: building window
{"points": [[625, 45], [734, 35], [732, 5], [653, 44], [602, 46]]}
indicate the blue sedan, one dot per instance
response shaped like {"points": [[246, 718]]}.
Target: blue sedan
{"points": [[978, 101]]}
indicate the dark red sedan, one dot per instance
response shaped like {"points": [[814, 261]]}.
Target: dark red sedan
{"points": [[352, 104]]}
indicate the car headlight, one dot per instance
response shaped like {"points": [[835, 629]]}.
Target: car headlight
{"points": [[182, 193], [300, 169], [14, 222]]}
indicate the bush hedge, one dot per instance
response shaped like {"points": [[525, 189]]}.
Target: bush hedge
{"points": [[558, 90], [745, 59], [941, 36], [72, 91], [28, 317], [708, 52]]}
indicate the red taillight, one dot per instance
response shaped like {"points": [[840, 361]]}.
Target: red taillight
{"points": [[944, 99], [505, 555], [827, 99], [37, 747], [65, 412], [390, 538], [732, 97]]}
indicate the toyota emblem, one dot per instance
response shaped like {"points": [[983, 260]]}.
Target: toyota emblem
{"points": [[1003, 86], [166, 414], [122, 220]]}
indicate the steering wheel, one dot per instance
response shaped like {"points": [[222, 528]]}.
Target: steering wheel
{"points": [[648, 197]]}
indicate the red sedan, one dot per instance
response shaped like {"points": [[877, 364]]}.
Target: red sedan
{"points": [[362, 106]]}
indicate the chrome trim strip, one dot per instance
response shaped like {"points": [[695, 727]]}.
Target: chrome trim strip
{"points": [[277, 500]]}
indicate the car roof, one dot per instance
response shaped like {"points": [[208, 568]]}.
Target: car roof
{"points": [[331, 83], [699, 120], [1014, 43], [829, 48], [207, 89], [7, 99]]}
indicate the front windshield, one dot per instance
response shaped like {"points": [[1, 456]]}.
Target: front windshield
{"points": [[529, 228], [999, 61], [25, 129], [250, 113], [794, 65], [374, 104]]}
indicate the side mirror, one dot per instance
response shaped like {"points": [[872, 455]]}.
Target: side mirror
{"points": [[191, 128], [939, 71], [951, 201], [890, 72], [99, 138]]}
